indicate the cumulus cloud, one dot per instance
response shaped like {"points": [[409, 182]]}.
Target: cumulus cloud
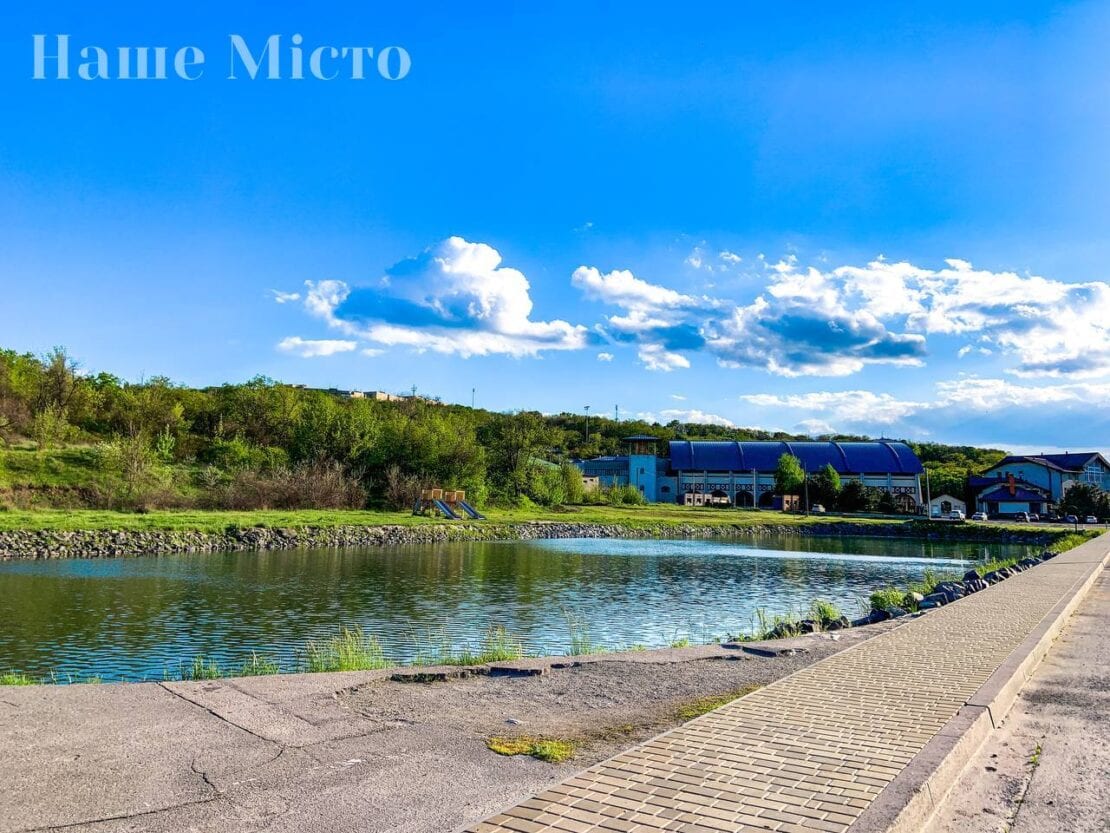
{"points": [[455, 298], [605, 357], [694, 416], [312, 348], [966, 399], [835, 322], [798, 326], [1051, 327], [730, 258], [285, 297], [656, 357]]}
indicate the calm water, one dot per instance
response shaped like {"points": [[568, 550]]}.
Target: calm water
{"points": [[139, 618]]}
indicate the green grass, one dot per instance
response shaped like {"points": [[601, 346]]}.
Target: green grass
{"points": [[497, 645], [202, 669], [259, 666], [552, 750], [656, 517], [350, 650], [683, 642], [704, 705], [71, 467], [14, 678]]}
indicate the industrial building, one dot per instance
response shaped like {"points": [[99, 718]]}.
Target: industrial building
{"points": [[743, 473]]}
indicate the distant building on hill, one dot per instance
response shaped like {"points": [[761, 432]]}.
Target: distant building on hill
{"points": [[743, 473]]}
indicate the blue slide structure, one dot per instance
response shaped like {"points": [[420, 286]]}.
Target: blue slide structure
{"points": [[446, 510], [471, 511]]}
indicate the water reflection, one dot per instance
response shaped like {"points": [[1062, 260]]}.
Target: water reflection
{"points": [[136, 618]]}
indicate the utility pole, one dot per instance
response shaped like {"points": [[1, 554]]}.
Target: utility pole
{"points": [[587, 425], [929, 498], [617, 412], [472, 391]]}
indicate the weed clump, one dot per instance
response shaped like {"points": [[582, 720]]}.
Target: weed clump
{"points": [[551, 750], [350, 650]]}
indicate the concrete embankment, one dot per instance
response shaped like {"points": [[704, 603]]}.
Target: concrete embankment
{"points": [[117, 543]]}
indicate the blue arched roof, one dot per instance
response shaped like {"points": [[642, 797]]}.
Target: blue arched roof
{"points": [[879, 457]]}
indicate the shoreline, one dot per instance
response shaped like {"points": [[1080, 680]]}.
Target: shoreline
{"points": [[20, 544]]}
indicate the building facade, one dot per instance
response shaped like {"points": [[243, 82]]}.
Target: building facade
{"points": [[743, 473], [1036, 483]]}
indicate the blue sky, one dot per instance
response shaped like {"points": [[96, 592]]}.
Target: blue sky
{"points": [[798, 216]]}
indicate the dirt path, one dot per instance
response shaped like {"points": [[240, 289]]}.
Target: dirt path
{"points": [[354, 751]]}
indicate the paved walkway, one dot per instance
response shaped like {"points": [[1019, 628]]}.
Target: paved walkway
{"points": [[811, 751], [1047, 768]]}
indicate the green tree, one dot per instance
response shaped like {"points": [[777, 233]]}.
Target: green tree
{"points": [[824, 487], [572, 483], [789, 477]]}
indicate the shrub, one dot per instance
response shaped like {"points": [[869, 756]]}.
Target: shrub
{"points": [[824, 612], [625, 496], [322, 485], [886, 597]]}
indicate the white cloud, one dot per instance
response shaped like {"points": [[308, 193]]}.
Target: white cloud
{"points": [[454, 298], [694, 416], [678, 397], [835, 322], [851, 407], [1051, 327], [313, 348], [621, 288], [371, 352], [730, 258], [655, 357], [605, 357], [285, 297], [965, 398]]}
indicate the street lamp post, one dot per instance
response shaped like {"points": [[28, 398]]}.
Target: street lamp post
{"points": [[587, 425]]}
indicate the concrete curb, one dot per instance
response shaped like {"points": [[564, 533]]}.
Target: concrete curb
{"points": [[910, 800]]}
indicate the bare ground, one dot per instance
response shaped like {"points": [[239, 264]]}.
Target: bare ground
{"points": [[358, 751]]}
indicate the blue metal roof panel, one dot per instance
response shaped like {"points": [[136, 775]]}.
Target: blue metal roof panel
{"points": [[846, 458]]}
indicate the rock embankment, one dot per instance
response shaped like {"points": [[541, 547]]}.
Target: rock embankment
{"points": [[116, 543]]}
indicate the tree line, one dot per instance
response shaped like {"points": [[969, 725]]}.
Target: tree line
{"points": [[264, 443]]}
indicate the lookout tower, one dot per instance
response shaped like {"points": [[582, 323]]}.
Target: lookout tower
{"points": [[641, 464]]}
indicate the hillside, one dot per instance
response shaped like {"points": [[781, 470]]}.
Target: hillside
{"points": [[70, 440]]}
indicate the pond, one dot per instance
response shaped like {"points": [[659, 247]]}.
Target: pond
{"points": [[142, 618]]}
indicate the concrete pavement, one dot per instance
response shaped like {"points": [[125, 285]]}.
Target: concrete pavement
{"points": [[1047, 768], [814, 751]]}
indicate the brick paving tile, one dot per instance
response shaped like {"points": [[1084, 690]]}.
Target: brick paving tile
{"points": [[810, 752]]}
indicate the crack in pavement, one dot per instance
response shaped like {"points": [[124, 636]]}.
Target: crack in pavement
{"points": [[121, 817], [219, 716]]}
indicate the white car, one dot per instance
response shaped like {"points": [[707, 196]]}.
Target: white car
{"points": [[979, 516], [1090, 519], [956, 515]]}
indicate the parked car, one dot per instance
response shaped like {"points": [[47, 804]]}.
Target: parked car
{"points": [[1090, 519], [1034, 517], [1021, 516], [817, 509], [956, 515], [979, 516], [1071, 519]]}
